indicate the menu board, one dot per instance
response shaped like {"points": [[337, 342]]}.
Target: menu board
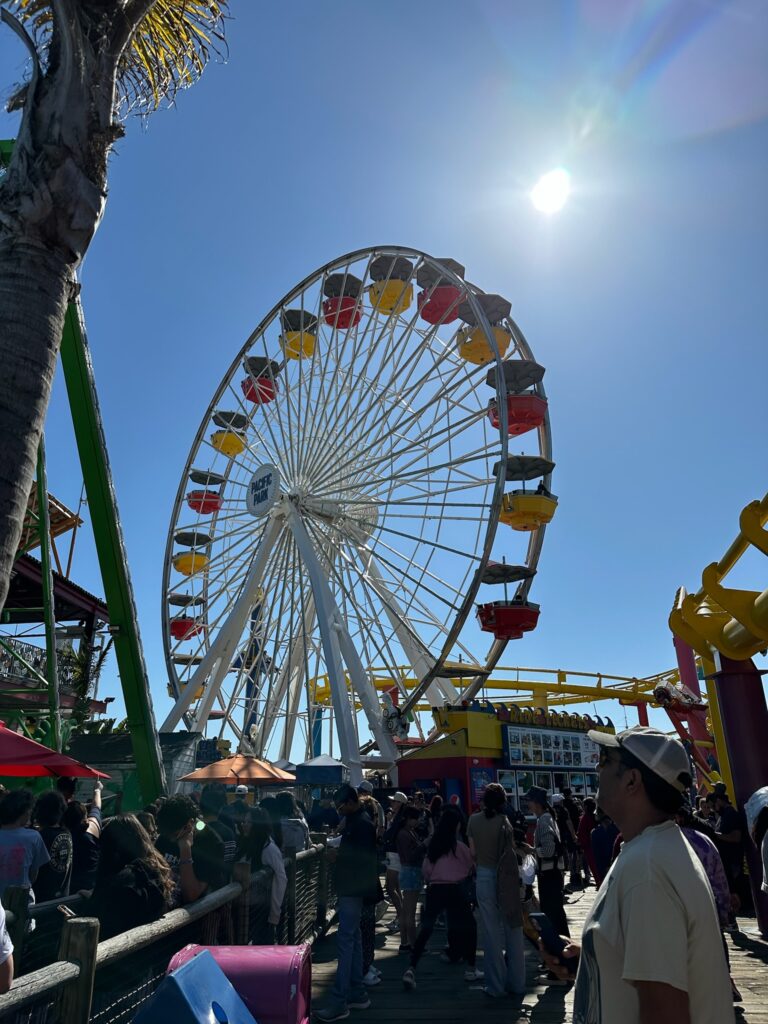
{"points": [[525, 745]]}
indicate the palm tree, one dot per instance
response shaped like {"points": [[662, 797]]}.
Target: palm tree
{"points": [[92, 63]]}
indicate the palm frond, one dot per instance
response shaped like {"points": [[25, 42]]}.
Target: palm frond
{"points": [[168, 51]]}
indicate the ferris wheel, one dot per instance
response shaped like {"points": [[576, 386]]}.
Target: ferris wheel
{"points": [[337, 513]]}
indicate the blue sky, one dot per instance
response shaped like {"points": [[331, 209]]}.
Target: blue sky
{"points": [[339, 125]]}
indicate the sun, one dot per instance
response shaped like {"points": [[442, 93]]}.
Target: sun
{"points": [[551, 191]]}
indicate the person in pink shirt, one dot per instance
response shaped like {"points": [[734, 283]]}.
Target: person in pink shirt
{"points": [[446, 869]]}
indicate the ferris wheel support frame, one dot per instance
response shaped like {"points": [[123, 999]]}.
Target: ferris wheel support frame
{"points": [[338, 647]]}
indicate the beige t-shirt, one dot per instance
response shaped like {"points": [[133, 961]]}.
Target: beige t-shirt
{"points": [[484, 833], [654, 919]]}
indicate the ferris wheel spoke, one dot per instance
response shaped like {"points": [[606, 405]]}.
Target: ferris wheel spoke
{"points": [[442, 400], [413, 647], [341, 415], [353, 335]]}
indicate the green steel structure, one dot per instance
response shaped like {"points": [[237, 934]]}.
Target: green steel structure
{"points": [[110, 548]]}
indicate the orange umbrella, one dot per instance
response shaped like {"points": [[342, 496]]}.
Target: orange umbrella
{"points": [[239, 768]]}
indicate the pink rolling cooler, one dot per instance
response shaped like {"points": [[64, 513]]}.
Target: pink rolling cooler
{"points": [[274, 982]]}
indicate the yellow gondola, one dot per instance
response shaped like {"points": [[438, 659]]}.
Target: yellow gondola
{"points": [[228, 442], [527, 510], [190, 562], [298, 344], [474, 347], [198, 693], [390, 296]]}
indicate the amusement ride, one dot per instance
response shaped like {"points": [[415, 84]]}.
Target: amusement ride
{"points": [[338, 509]]}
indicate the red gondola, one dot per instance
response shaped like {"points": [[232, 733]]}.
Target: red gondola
{"points": [[524, 412], [440, 305], [342, 311], [508, 620], [184, 627], [205, 502], [260, 390]]}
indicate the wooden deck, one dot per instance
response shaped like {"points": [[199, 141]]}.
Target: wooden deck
{"points": [[443, 995]]}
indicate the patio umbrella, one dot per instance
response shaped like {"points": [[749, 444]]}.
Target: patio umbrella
{"points": [[239, 768], [26, 758]]}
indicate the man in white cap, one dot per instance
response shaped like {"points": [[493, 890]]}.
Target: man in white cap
{"points": [[651, 951]]}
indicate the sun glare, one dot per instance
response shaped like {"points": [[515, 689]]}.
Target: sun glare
{"points": [[551, 191]]}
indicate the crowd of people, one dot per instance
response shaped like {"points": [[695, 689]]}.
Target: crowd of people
{"points": [[669, 874], [130, 869]]}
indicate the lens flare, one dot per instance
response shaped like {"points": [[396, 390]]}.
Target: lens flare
{"points": [[551, 191]]}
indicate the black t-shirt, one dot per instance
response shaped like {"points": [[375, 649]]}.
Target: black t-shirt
{"points": [[85, 857], [54, 877], [207, 857], [356, 863], [224, 859], [132, 897]]}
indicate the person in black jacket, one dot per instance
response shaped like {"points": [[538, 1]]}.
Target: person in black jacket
{"points": [[133, 882], [356, 876]]}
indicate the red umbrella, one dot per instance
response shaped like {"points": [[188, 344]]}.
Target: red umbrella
{"points": [[26, 758]]}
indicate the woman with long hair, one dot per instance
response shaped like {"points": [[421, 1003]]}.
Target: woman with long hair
{"points": [[269, 804], [446, 868], [395, 821], [257, 847], [410, 849], [134, 885], [491, 842], [550, 858], [294, 827]]}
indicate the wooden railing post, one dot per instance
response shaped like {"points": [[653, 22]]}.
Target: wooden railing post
{"points": [[79, 943], [16, 903], [242, 873]]}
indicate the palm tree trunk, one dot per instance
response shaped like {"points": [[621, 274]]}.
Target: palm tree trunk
{"points": [[34, 290]]}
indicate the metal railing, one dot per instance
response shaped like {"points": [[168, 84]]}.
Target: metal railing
{"points": [[24, 663], [91, 982]]}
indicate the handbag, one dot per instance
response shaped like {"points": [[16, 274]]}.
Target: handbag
{"points": [[508, 878]]}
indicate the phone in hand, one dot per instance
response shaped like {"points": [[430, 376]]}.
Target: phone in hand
{"points": [[552, 942]]}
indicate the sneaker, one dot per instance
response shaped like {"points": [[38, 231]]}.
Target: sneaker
{"points": [[358, 1004], [377, 972], [393, 927], [371, 978], [472, 974], [409, 979], [330, 1014]]}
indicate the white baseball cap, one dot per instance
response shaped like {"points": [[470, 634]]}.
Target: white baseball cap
{"points": [[399, 798], [664, 755], [241, 790]]}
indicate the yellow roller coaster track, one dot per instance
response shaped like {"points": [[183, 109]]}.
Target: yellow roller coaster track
{"points": [[514, 686]]}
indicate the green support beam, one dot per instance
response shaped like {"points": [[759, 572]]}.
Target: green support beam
{"points": [[108, 535], [44, 536]]}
